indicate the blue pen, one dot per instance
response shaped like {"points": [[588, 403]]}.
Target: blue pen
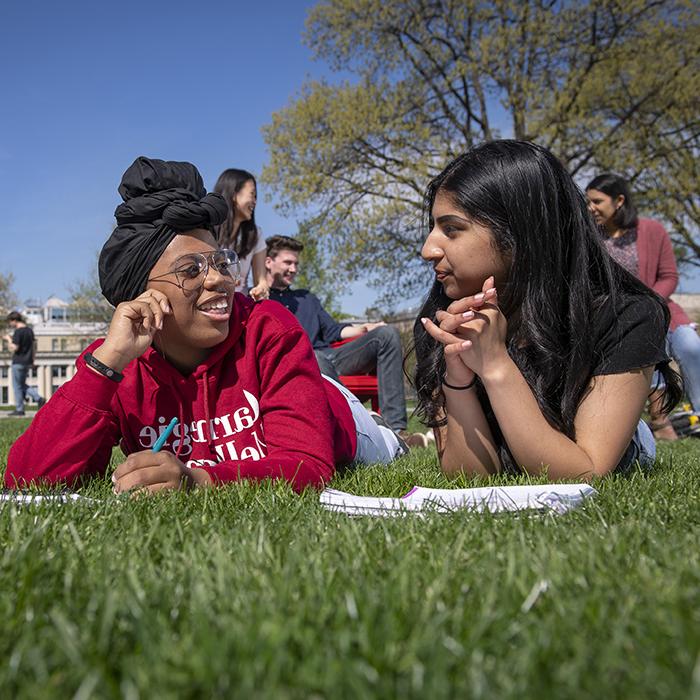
{"points": [[166, 434]]}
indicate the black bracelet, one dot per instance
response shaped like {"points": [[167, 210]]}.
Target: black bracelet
{"points": [[459, 388], [92, 361]]}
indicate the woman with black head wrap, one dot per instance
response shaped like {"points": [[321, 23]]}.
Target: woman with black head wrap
{"points": [[240, 378]]}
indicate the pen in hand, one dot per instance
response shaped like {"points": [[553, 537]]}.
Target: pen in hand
{"points": [[164, 437]]}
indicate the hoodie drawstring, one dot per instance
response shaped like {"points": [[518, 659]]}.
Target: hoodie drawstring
{"points": [[205, 377]]}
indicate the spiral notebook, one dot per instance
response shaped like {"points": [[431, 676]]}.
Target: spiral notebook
{"points": [[553, 498]]}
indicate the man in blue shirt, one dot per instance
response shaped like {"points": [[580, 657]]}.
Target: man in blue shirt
{"points": [[377, 347]]}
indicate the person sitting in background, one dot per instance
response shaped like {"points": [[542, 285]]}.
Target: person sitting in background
{"points": [[239, 231], [535, 350], [22, 345], [644, 248], [240, 377], [377, 346]]}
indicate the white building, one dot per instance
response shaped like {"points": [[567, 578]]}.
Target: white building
{"points": [[59, 340]]}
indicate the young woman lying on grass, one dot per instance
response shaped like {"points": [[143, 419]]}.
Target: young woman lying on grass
{"points": [[535, 351], [240, 377]]}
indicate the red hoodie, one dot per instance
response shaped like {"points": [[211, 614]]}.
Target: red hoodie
{"points": [[256, 408]]}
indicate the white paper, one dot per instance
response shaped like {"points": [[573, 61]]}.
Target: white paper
{"points": [[556, 498], [23, 498]]}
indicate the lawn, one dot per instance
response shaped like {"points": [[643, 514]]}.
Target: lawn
{"points": [[253, 591]]}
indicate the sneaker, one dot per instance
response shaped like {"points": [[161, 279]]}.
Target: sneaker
{"points": [[686, 424], [414, 439], [40, 402], [16, 413], [383, 424]]}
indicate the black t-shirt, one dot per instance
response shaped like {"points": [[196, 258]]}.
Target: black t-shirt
{"points": [[23, 338], [632, 336], [628, 336]]}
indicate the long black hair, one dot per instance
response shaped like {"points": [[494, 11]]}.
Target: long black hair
{"points": [[561, 278], [229, 184], [625, 216]]}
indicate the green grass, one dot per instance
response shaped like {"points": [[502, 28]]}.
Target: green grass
{"points": [[255, 592]]}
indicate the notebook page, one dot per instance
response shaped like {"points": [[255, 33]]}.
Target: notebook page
{"points": [[496, 499]]}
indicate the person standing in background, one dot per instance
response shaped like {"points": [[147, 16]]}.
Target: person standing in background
{"points": [[240, 233], [644, 248], [22, 343]]}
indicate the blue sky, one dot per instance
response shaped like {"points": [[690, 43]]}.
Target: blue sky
{"points": [[87, 87]]}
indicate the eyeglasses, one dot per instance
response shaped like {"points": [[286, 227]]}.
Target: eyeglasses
{"points": [[191, 270]]}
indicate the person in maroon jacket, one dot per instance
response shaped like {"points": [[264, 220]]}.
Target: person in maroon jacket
{"points": [[644, 248], [240, 377]]}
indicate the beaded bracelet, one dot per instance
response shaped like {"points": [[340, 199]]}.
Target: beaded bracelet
{"points": [[459, 388], [102, 368]]}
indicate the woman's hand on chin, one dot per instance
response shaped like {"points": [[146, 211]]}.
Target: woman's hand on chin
{"points": [[132, 329], [473, 331], [150, 472]]}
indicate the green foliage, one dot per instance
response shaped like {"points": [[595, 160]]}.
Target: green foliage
{"points": [[253, 591], [432, 78], [87, 303], [8, 298], [315, 275]]}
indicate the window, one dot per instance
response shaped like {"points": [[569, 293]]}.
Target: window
{"points": [[58, 314], [4, 395], [4, 372], [32, 373], [54, 344], [59, 371], [54, 388]]}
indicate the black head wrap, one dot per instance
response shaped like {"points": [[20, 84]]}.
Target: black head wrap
{"points": [[161, 199]]}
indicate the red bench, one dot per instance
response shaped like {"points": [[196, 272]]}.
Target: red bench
{"points": [[364, 386]]}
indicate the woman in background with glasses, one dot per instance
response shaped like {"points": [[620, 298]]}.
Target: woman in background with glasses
{"points": [[240, 378], [239, 231]]}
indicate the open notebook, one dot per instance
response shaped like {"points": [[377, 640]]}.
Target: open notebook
{"points": [[28, 497], [556, 498]]}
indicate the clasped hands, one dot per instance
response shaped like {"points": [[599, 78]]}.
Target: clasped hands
{"points": [[473, 332]]}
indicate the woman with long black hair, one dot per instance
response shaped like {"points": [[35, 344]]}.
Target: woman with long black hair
{"points": [[535, 351], [240, 232]]}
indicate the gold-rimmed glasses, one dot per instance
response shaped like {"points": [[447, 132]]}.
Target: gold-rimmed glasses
{"points": [[192, 269]]}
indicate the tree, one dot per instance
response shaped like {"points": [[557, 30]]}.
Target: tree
{"points": [[433, 78], [8, 298], [314, 273], [87, 303]]}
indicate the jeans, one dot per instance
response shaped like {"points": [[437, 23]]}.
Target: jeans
{"points": [[19, 383], [375, 443], [378, 349], [684, 345], [642, 449]]}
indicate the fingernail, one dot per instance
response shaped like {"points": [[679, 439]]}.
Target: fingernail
{"points": [[479, 296], [467, 344], [491, 292], [424, 321], [114, 479], [467, 314]]}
